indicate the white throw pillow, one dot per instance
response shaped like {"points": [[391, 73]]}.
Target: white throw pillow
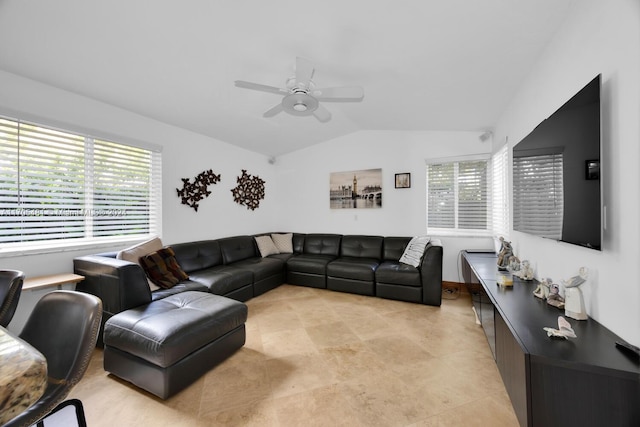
{"points": [[266, 246], [284, 242], [135, 252], [414, 250]]}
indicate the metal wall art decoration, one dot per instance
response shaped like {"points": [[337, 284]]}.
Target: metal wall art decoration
{"points": [[192, 193], [249, 191]]}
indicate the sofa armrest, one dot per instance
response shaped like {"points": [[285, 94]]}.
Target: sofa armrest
{"points": [[120, 284], [431, 273]]}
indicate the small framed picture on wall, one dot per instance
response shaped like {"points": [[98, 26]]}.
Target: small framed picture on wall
{"points": [[403, 180]]}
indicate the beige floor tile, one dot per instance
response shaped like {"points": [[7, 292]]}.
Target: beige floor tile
{"points": [[235, 385], [352, 360], [397, 349], [320, 407], [488, 411], [298, 373], [331, 335], [287, 343], [381, 399], [279, 320], [260, 414]]}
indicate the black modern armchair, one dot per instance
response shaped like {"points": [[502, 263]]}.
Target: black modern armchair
{"points": [[64, 327], [10, 289]]}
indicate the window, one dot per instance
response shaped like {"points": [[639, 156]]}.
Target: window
{"points": [[59, 188], [458, 197], [499, 192]]}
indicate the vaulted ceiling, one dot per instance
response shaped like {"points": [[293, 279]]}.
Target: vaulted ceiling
{"points": [[423, 64]]}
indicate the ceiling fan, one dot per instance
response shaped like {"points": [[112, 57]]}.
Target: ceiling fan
{"points": [[301, 97]]}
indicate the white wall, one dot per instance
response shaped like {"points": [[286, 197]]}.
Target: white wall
{"points": [[598, 37], [185, 154], [303, 185]]}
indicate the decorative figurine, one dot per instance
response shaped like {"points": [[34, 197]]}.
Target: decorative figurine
{"points": [[564, 330], [506, 251], [514, 265], [554, 297], [526, 272], [573, 300], [542, 290]]}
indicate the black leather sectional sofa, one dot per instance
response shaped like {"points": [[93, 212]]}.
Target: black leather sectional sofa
{"points": [[149, 336], [233, 267]]}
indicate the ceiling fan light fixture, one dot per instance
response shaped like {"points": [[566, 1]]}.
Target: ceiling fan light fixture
{"points": [[299, 104]]}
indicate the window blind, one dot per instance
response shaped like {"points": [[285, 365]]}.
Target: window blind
{"points": [[499, 190], [457, 196], [538, 200], [472, 195], [441, 197], [56, 185]]}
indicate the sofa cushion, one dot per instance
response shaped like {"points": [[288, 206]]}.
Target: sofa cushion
{"points": [[354, 268], [163, 268], [237, 248], [312, 264], [361, 247], [221, 280], [322, 244], [397, 273], [135, 252], [266, 246], [261, 268], [194, 256], [415, 249], [284, 242], [184, 286], [298, 243], [393, 247]]}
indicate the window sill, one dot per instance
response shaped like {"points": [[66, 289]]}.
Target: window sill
{"points": [[458, 233], [46, 248]]}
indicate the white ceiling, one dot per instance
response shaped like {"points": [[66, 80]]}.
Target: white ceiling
{"points": [[423, 64]]}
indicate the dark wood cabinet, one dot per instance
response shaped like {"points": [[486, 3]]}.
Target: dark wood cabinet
{"points": [[585, 381]]}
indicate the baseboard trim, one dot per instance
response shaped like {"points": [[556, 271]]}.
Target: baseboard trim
{"points": [[456, 287]]}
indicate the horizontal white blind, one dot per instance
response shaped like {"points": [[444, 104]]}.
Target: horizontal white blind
{"points": [[472, 195], [441, 197], [499, 190], [538, 200], [458, 196], [56, 185], [45, 177], [121, 189]]}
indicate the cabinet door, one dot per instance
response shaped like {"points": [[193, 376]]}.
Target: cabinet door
{"points": [[563, 395], [512, 364]]}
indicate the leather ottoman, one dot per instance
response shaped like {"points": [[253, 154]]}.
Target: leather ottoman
{"points": [[165, 345]]}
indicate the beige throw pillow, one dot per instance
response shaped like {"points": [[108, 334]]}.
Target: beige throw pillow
{"points": [[284, 242], [135, 252], [266, 246]]}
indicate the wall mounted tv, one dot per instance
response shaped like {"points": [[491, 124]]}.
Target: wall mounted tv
{"points": [[556, 174]]}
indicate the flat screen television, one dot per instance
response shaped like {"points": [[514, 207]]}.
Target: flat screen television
{"points": [[556, 174]]}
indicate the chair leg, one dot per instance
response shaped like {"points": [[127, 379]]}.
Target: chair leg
{"points": [[60, 416]]}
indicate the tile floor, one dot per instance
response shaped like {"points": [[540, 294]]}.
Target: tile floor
{"points": [[321, 358]]}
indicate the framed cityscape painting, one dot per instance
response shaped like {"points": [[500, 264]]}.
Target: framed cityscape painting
{"points": [[360, 189]]}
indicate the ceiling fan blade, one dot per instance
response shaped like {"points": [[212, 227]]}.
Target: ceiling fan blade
{"points": [[304, 72], [273, 111], [349, 93], [263, 88], [322, 114]]}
